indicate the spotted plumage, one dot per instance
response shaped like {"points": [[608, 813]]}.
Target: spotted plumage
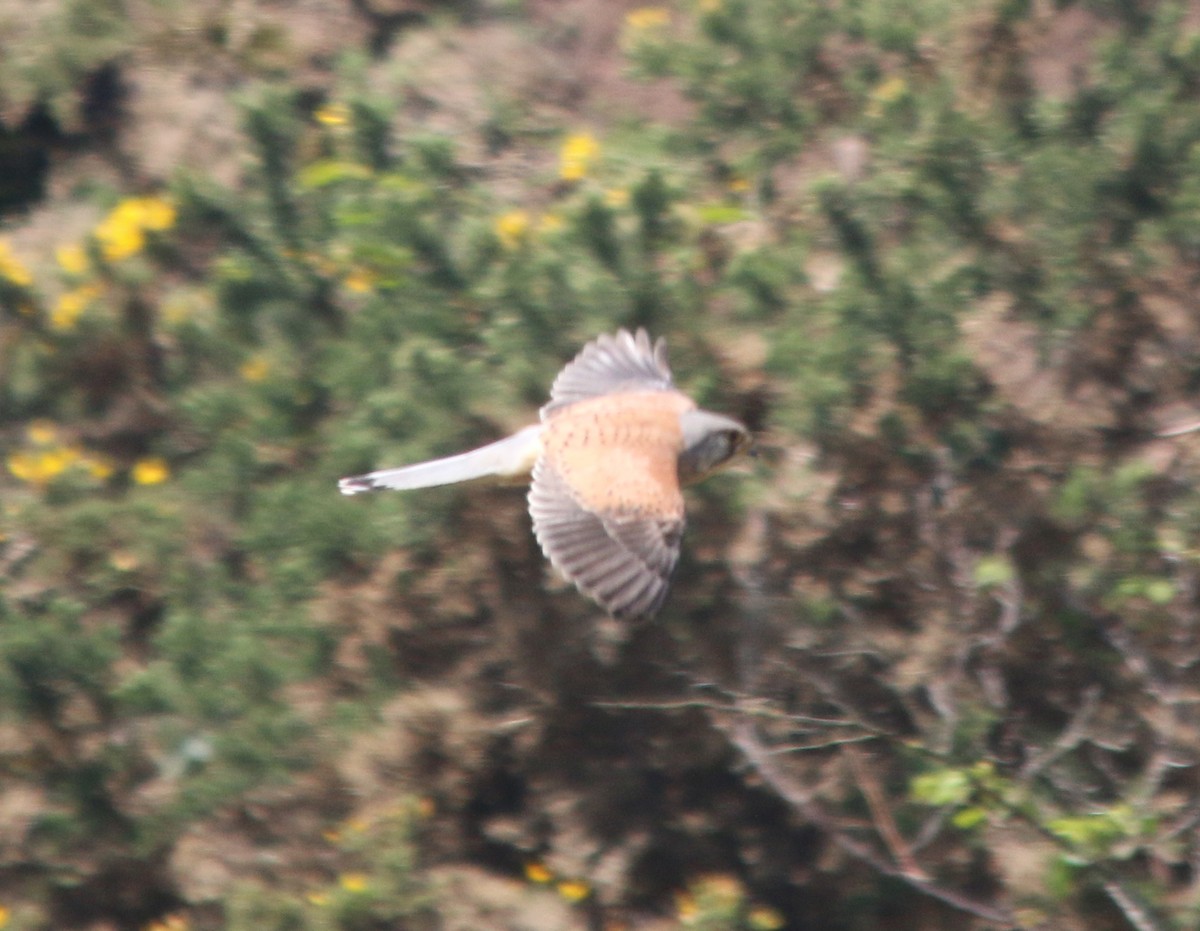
{"points": [[615, 443]]}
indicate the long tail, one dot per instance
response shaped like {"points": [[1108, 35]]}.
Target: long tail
{"points": [[514, 455]]}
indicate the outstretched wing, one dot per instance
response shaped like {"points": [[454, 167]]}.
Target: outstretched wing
{"points": [[623, 562], [611, 364]]}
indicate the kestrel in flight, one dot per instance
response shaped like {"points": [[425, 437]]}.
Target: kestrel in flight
{"points": [[614, 446]]}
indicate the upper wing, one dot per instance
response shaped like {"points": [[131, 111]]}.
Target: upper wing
{"points": [[623, 561], [608, 364]]}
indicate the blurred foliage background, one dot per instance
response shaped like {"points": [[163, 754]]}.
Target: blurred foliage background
{"points": [[930, 662]]}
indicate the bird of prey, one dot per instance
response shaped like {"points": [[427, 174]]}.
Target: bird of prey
{"points": [[612, 449]]}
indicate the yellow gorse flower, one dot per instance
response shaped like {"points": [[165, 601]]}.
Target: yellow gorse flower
{"points": [[353, 882], [72, 258], [333, 114], [40, 467], [646, 17], [892, 89], [574, 890], [885, 93], [765, 918], [360, 280], [685, 907], [616, 197], [11, 268], [46, 457], [122, 233], [120, 236], [98, 467], [255, 369], [537, 872], [41, 432], [550, 223], [512, 228], [578, 151], [719, 889], [176, 922], [71, 304], [150, 471]]}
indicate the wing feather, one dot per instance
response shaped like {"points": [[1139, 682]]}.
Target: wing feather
{"points": [[623, 562], [608, 364]]}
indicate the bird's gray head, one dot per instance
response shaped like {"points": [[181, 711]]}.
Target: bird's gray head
{"points": [[709, 442]]}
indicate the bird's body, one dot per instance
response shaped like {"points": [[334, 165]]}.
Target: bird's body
{"points": [[636, 436], [615, 444]]}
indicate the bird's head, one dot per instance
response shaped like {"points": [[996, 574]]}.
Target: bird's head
{"points": [[710, 441]]}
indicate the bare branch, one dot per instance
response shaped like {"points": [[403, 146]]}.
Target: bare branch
{"points": [[751, 708], [1075, 732], [741, 735], [1135, 913], [881, 813], [823, 745]]}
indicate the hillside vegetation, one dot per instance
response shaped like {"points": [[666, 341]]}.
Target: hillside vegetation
{"points": [[932, 660]]}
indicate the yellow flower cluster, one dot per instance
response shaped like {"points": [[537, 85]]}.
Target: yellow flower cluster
{"points": [[176, 922], [122, 233], [646, 18], [256, 368], [765, 918], [152, 470], [333, 114], [617, 197], [514, 227], [45, 457], [360, 280], [575, 157], [72, 258], [719, 897], [354, 882], [11, 268], [573, 890], [885, 94], [71, 304]]}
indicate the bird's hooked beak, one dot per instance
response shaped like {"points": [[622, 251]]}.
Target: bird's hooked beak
{"points": [[710, 441]]}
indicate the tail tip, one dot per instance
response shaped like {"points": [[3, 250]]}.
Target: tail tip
{"points": [[355, 484]]}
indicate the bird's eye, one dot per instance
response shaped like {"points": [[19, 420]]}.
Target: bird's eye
{"points": [[735, 440]]}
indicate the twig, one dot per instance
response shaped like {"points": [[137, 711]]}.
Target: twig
{"points": [[823, 745], [881, 813], [1135, 913], [754, 710], [1075, 731], [742, 736]]}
